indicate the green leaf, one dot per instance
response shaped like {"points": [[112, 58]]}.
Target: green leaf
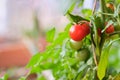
{"points": [[36, 69], [80, 70], [41, 77], [61, 37], [72, 7], [87, 13], [22, 78], [117, 10], [75, 18], [103, 62], [96, 21], [50, 35], [5, 77], [80, 3], [34, 60], [68, 26]]}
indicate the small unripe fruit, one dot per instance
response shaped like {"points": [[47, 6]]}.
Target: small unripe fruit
{"points": [[83, 55], [117, 27], [75, 44]]}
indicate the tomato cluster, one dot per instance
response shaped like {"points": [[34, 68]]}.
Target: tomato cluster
{"points": [[77, 33]]}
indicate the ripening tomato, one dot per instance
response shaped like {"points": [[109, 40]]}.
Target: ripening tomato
{"points": [[110, 5], [99, 31], [110, 29], [117, 27], [75, 44], [79, 31]]}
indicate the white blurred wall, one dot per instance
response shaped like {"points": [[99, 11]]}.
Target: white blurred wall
{"points": [[50, 14], [88, 4], [3, 26], [19, 16]]}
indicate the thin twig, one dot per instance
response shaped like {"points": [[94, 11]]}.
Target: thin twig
{"points": [[94, 56], [117, 32], [94, 6], [106, 13], [102, 5]]}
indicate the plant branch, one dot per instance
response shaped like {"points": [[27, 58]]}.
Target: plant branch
{"points": [[94, 6], [116, 32], [91, 34], [102, 5], [106, 14], [94, 56]]}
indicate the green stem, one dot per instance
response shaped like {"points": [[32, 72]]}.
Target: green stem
{"points": [[116, 32], [102, 5], [108, 14], [101, 43]]}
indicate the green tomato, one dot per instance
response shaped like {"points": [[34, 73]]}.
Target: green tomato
{"points": [[83, 54], [117, 27], [75, 44]]}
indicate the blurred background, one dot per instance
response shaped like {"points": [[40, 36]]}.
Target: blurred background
{"points": [[23, 24]]}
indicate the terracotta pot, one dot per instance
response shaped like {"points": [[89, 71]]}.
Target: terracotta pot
{"points": [[14, 54]]}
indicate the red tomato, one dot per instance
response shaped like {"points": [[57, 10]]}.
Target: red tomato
{"points": [[79, 31], [110, 29]]}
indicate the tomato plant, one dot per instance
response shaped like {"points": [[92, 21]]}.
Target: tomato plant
{"points": [[78, 53]]}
